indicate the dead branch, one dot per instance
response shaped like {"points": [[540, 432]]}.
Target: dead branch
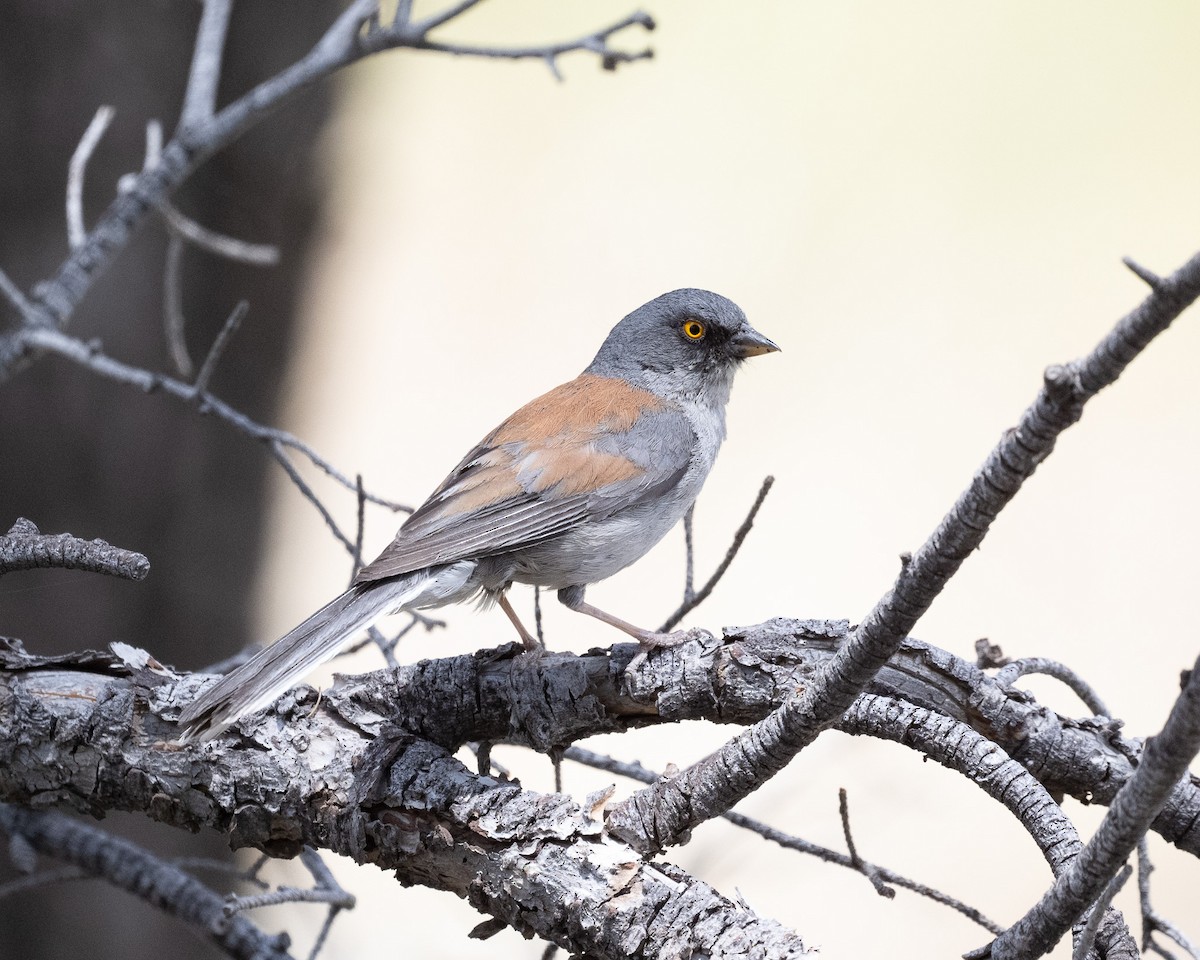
{"points": [[402, 803], [24, 547], [1164, 761], [125, 865]]}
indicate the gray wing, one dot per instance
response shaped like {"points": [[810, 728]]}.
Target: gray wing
{"points": [[510, 493]]}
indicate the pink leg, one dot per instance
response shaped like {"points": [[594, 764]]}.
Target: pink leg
{"points": [[529, 640]]}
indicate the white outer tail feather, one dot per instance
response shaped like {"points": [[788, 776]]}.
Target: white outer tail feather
{"points": [[271, 671]]}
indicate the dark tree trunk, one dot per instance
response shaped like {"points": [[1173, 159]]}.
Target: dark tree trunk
{"points": [[82, 454]]}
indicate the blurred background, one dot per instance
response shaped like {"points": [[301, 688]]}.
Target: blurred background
{"points": [[923, 204]]}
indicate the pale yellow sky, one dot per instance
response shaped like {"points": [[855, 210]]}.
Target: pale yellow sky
{"points": [[924, 204]]}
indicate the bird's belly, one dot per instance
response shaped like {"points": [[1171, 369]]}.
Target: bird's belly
{"points": [[595, 551]]}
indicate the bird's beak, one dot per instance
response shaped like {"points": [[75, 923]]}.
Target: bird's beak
{"points": [[748, 342]]}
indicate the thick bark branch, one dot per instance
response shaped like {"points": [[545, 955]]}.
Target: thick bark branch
{"points": [[25, 547], [552, 701], [540, 863]]}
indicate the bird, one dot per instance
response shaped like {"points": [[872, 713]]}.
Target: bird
{"points": [[573, 487]]}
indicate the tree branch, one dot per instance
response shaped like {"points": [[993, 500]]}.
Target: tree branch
{"points": [[76, 231], [344, 43], [200, 98], [693, 599], [1059, 671], [1151, 922], [24, 547], [399, 802], [660, 816], [596, 42], [129, 867], [561, 698], [1164, 761]]}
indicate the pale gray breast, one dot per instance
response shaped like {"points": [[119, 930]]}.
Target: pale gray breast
{"points": [[677, 449]]}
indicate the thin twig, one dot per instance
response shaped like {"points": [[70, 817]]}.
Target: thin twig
{"points": [[437, 19], [1059, 671], [360, 525], [24, 547], [46, 878], [699, 596], [1149, 277], [1087, 936], [76, 231], [224, 335], [342, 44], [12, 293], [859, 864], [183, 227], [255, 254], [280, 454], [689, 563], [174, 324], [200, 98], [595, 42], [1151, 921], [209, 864]]}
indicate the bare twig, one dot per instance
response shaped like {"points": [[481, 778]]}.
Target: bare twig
{"points": [[661, 815], [45, 878], [1059, 671], [360, 526], [12, 293], [597, 42], [76, 231], [1165, 759], [325, 889], [699, 596], [255, 254], [858, 863], [228, 329], [1151, 279], [1087, 936], [342, 44], [689, 543], [1151, 921], [226, 867], [24, 547], [387, 644], [280, 454], [173, 320], [183, 227], [437, 19], [200, 98]]}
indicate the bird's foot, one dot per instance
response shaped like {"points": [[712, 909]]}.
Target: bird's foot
{"points": [[651, 640]]}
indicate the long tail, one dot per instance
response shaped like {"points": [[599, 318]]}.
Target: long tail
{"points": [[273, 669]]}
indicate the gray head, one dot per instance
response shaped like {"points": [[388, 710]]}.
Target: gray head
{"points": [[686, 341]]}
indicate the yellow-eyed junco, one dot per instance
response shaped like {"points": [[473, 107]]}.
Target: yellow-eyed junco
{"points": [[571, 488]]}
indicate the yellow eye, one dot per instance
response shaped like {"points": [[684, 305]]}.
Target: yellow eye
{"points": [[693, 329]]}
